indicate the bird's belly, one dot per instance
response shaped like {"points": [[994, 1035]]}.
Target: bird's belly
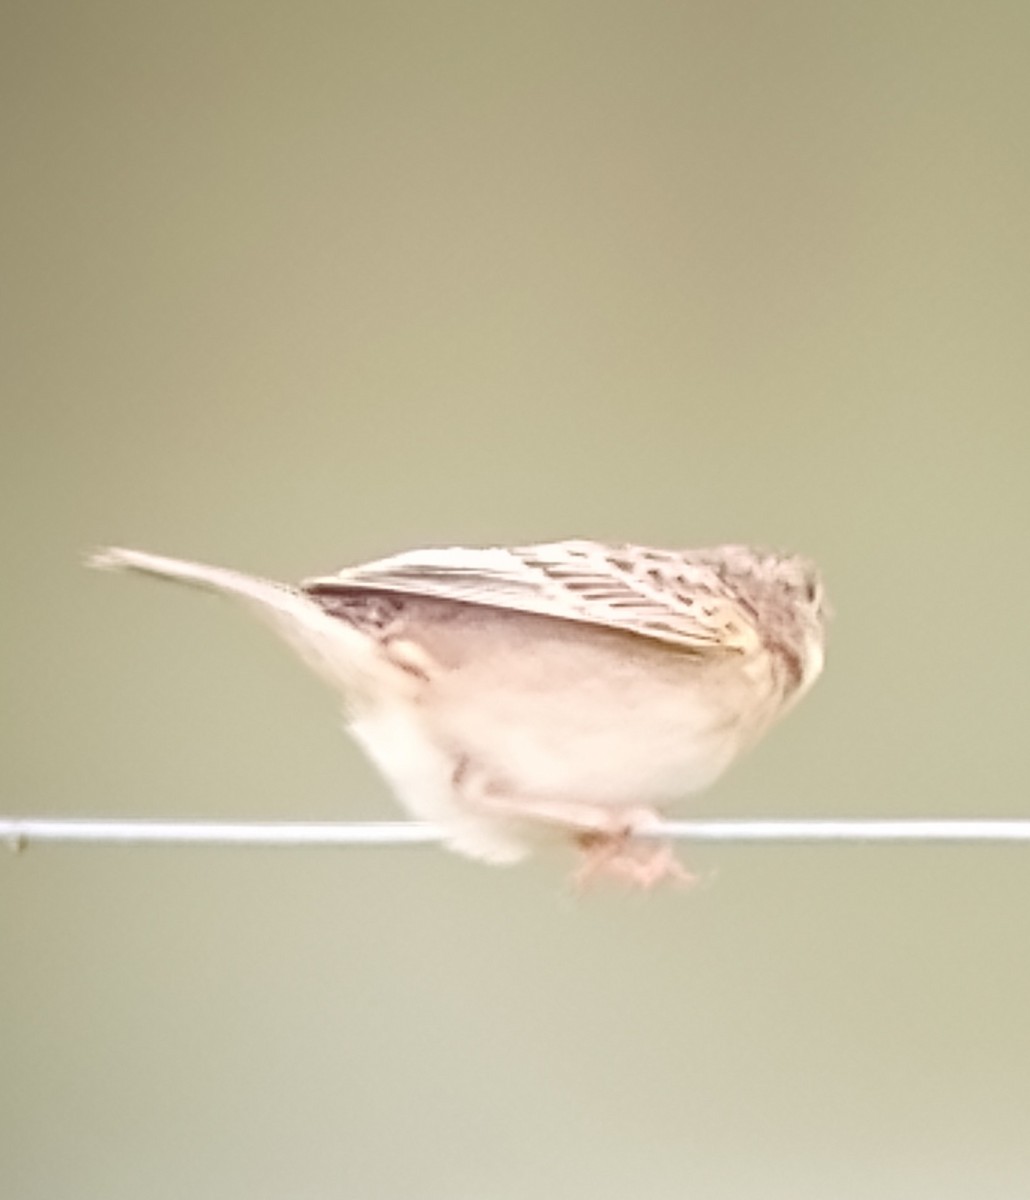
{"points": [[615, 754], [638, 732], [585, 717]]}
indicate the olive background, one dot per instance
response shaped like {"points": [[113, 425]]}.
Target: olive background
{"points": [[287, 286]]}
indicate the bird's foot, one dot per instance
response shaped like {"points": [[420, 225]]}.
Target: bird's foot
{"points": [[618, 855]]}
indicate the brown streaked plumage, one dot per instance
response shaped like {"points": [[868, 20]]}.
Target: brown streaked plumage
{"points": [[571, 688]]}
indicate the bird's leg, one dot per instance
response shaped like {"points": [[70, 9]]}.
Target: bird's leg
{"points": [[477, 793], [585, 819], [606, 836]]}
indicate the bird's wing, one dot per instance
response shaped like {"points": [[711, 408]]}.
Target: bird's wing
{"points": [[663, 595]]}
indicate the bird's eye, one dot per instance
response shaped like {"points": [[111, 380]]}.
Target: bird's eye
{"points": [[813, 591]]}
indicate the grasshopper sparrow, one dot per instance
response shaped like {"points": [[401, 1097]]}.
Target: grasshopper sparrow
{"points": [[568, 690]]}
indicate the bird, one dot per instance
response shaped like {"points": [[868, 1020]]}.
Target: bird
{"points": [[568, 691]]}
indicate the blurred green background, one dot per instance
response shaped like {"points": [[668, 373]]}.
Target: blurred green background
{"points": [[288, 286]]}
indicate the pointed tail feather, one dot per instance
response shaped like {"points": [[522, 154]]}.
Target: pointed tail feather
{"points": [[335, 649], [214, 579]]}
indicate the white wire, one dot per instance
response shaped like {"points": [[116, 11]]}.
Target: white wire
{"points": [[19, 832]]}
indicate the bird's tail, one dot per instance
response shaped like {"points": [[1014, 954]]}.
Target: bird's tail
{"points": [[335, 649], [213, 579]]}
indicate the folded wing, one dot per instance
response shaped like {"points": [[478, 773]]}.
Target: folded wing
{"points": [[662, 595]]}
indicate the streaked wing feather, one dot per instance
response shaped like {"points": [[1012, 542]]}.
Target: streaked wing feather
{"points": [[661, 595]]}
